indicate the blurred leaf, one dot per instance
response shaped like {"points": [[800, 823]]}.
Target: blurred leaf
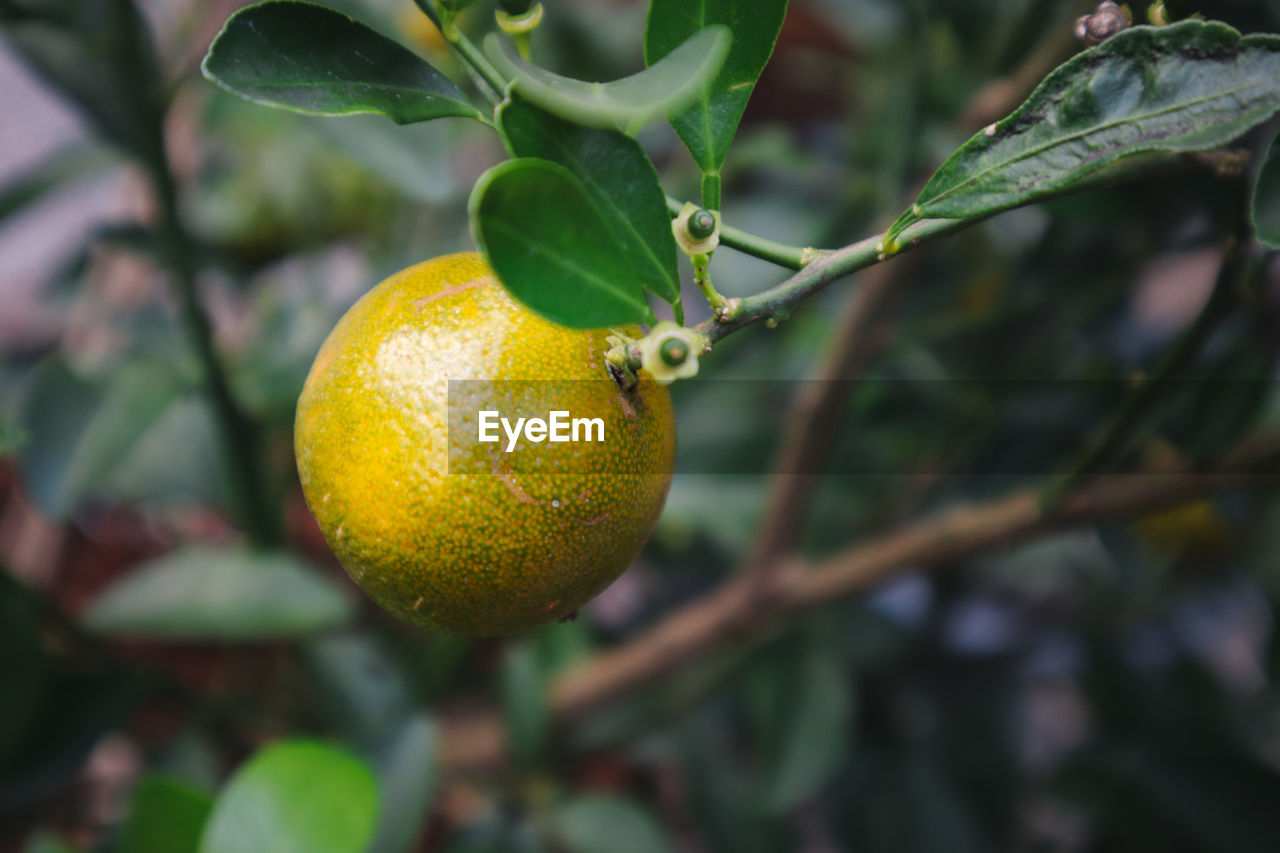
{"points": [[720, 801], [497, 833], [33, 184], [408, 774], [598, 824], [362, 686], [11, 438], [165, 816], [309, 59], [708, 126], [808, 728], [1265, 203], [27, 674], [524, 705], [295, 797], [99, 53], [78, 431], [628, 104], [1190, 86], [47, 842], [416, 160], [617, 175], [178, 460], [226, 595], [549, 244]]}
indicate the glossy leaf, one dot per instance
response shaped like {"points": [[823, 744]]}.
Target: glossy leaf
{"points": [[78, 431], [165, 816], [408, 773], [709, 124], [295, 797], [626, 104], [100, 55], [548, 242], [1185, 87], [598, 824], [1265, 203], [617, 175], [310, 59], [206, 594]]}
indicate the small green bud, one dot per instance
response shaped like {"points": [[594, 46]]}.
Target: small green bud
{"points": [[674, 351], [701, 225]]}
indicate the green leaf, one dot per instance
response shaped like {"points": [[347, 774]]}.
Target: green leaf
{"points": [[363, 691], [408, 772], [548, 242], [100, 55], [309, 59], [1265, 203], [295, 797], [626, 104], [79, 432], [1190, 86], [524, 705], [224, 595], [707, 127], [810, 733], [597, 824], [617, 175], [63, 166], [165, 816]]}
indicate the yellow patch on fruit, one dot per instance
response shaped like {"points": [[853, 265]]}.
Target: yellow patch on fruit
{"points": [[444, 530]]}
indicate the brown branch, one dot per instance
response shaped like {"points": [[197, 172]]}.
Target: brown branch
{"points": [[737, 614]]}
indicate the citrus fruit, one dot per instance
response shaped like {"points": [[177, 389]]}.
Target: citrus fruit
{"points": [[475, 537]]}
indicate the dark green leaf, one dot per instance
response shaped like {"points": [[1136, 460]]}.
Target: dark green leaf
{"points": [[306, 58], [206, 594], [707, 127], [597, 824], [547, 241], [618, 177], [524, 704], [408, 773], [78, 432], [295, 797], [99, 53], [27, 676], [1185, 87], [666, 87], [810, 734], [1265, 204], [366, 695], [165, 816]]}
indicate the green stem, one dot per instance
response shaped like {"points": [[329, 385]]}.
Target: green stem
{"points": [[710, 190], [259, 520], [466, 49], [781, 254], [821, 271], [703, 279]]}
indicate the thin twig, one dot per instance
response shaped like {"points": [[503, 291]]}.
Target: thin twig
{"points": [[735, 614]]}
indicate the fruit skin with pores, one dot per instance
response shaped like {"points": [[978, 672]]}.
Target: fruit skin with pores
{"points": [[443, 530]]}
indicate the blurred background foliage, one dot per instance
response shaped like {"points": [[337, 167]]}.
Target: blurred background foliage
{"points": [[1108, 688]]}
